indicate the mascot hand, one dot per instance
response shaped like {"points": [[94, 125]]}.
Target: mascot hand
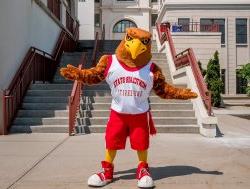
{"points": [[188, 94], [70, 72]]}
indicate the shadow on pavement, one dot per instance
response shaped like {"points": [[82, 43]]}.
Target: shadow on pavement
{"points": [[218, 132], [159, 173]]}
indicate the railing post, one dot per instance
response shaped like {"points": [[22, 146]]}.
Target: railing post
{"points": [[44, 59], [34, 72], [4, 109], [70, 114]]}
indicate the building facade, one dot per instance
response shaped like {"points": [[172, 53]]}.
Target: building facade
{"points": [[196, 17], [230, 37], [115, 16]]}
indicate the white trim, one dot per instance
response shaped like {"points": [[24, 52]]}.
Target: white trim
{"points": [[207, 2]]}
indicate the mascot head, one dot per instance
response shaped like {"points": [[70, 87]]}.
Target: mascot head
{"points": [[135, 49]]}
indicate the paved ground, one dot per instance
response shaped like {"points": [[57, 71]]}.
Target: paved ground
{"points": [[48, 161]]}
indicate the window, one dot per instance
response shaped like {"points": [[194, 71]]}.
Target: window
{"points": [[120, 27], [241, 30], [209, 22], [184, 22], [154, 1], [97, 1], [97, 20], [153, 19]]}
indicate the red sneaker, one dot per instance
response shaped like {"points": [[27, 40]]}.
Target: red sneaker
{"points": [[143, 176], [104, 177]]}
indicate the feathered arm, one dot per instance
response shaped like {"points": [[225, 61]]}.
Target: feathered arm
{"points": [[87, 76], [167, 91]]}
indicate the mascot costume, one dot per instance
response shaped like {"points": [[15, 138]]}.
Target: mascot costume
{"points": [[131, 75]]}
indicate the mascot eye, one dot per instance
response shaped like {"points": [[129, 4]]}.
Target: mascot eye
{"points": [[145, 41], [128, 38]]}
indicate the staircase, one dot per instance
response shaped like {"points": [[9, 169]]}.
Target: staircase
{"points": [[45, 107], [170, 116]]}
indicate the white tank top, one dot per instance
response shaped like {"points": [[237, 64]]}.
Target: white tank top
{"points": [[130, 87]]}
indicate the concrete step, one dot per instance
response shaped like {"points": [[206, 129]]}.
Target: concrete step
{"points": [[236, 102], [51, 86], [104, 120], [160, 129], [69, 58], [61, 80], [154, 106], [39, 129], [97, 129], [235, 97], [44, 106], [155, 113], [43, 113], [59, 93], [45, 99], [41, 121], [98, 87]]}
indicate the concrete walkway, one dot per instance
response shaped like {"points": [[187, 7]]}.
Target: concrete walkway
{"points": [[178, 161]]}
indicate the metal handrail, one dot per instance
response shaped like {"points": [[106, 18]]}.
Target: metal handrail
{"points": [[74, 99], [69, 22], [184, 58]]}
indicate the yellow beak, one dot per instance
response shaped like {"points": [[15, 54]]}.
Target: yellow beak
{"points": [[135, 47]]}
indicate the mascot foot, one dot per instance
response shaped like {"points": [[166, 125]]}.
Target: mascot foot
{"points": [[104, 177], [143, 176]]}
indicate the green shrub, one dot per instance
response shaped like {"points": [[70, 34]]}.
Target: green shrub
{"points": [[244, 72], [213, 79], [216, 90]]}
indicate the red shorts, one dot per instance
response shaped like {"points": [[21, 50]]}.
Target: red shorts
{"points": [[120, 126]]}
